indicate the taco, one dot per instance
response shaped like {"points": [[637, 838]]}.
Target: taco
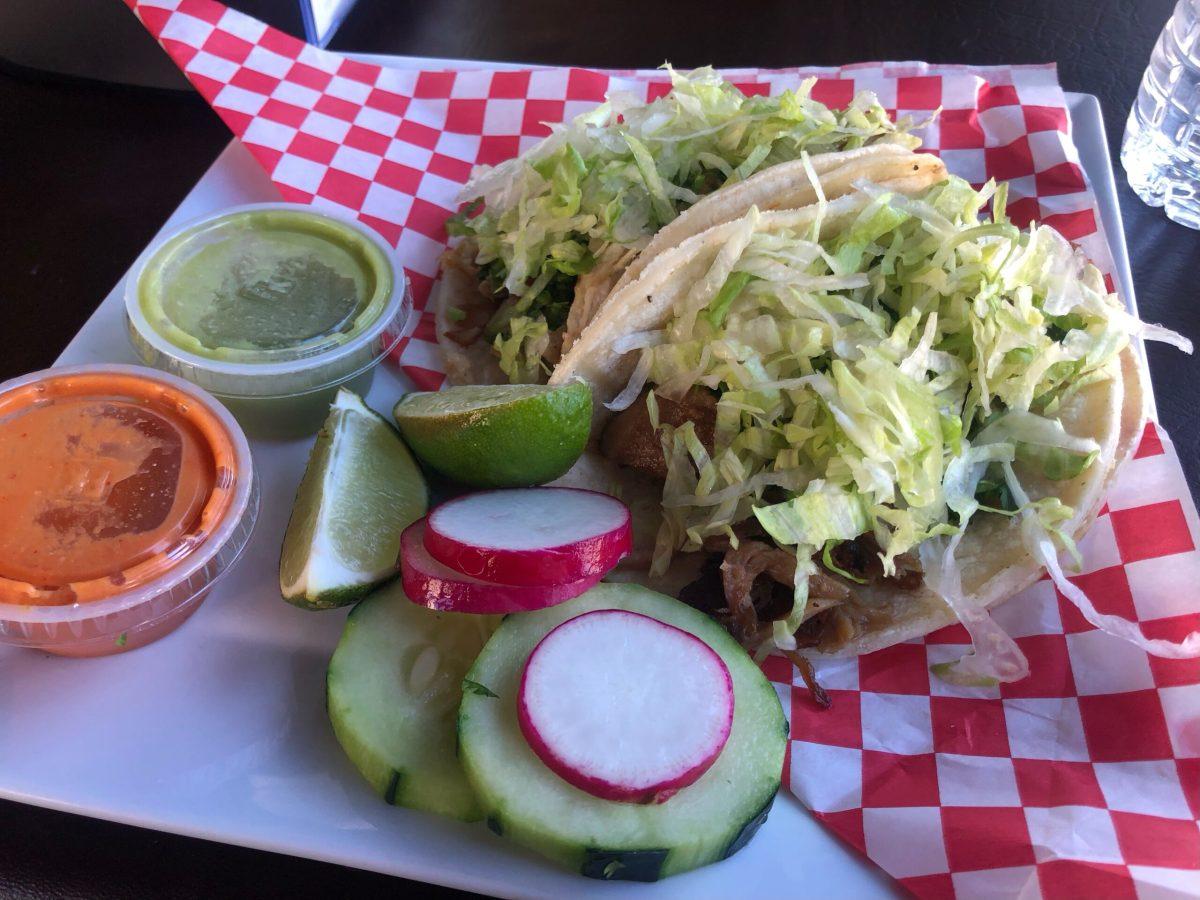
{"points": [[548, 235], [866, 418]]}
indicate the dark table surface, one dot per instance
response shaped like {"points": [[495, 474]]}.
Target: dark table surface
{"points": [[90, 169]]}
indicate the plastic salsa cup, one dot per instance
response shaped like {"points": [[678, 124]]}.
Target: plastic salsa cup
{"points": [[271, 307], [126, 493]]}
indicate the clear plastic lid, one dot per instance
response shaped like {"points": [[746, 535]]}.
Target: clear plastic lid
{"points": [[127, 493], [267, 300]]}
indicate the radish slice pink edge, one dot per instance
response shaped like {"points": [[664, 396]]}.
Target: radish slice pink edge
{"points": [[428, 583], [530, 536], [625, 707]]}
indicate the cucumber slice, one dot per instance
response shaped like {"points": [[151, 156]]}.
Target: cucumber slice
{"points": [[522, 799], [393, 689]]}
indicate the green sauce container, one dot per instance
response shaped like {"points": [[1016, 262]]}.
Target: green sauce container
{"points": [[271, 307]]}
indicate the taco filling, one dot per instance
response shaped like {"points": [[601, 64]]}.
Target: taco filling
{"points": [[829, 406], [547, 235]]}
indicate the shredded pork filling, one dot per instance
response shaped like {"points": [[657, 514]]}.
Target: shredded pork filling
{"points": [[631, 440], [749, 586], [476, 311], [836, 613]]}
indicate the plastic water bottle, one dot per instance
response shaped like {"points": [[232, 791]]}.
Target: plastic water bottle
{"points": [[1161, 149]]}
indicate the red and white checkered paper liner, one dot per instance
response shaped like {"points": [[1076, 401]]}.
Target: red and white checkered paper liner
{"points": [[1081, 780]]}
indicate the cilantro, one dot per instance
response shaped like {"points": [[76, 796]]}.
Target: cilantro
{"points": [[993, 494], [1061, 325]]}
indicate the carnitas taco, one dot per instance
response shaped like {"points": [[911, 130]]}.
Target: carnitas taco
{"points": [[548, 235], [865, 419]]}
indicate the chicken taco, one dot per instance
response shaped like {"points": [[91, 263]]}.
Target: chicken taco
{"points": [[866, 418], [546, 236]]}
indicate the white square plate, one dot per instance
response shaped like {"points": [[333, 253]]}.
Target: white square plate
{"points": [[219, 731]]}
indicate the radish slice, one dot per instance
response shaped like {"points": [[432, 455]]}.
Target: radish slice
{"points": [[624, 706], [429, 583], [530, 536]]}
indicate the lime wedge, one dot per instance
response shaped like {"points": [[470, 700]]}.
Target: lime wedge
{"points": [[360, 490], [500, 435]]}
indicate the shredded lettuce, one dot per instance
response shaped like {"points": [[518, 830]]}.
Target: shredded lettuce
{"points": [[719, 308], [823, 513], [994, 656], [895, 378], [521, 349], [1039, 535], [828, 562], [1043, 444], [621, 171]]}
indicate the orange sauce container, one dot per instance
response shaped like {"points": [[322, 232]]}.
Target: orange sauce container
{"points": [[125, 493]]}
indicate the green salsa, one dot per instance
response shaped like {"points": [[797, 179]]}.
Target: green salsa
{"points": [[256, 283]]}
